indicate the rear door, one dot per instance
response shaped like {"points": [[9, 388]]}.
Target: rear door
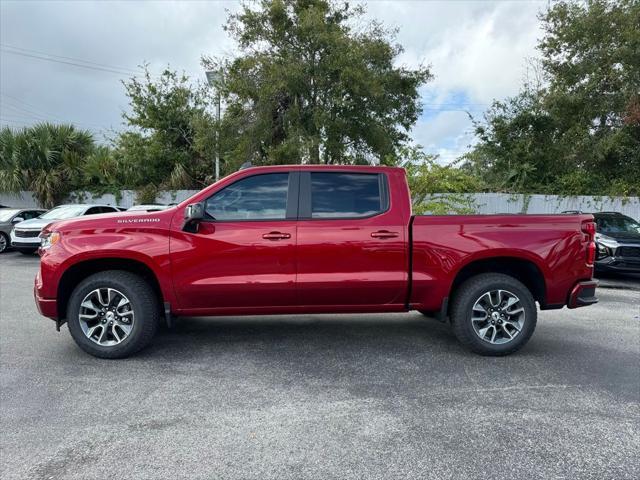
{"points": [[243, 254], [351, 245]]}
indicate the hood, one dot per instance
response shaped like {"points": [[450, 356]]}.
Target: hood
{"points": [[115, 219], [33, 224]]}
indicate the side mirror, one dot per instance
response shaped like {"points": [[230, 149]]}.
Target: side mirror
{"points": [[17, 220], [192, 216]]}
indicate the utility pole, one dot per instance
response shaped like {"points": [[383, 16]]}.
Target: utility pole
{"points": [[213, 78]]}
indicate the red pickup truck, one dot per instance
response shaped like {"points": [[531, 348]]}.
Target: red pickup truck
{"points": [[310, 239]]}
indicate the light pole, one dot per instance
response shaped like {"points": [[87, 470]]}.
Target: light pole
{"points": [[213, 78]]}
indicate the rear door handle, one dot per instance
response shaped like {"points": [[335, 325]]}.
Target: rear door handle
{"points": [[276, 236], [384, 234]]}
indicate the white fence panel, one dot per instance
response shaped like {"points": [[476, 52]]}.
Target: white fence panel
{"points": [[484, 203]]}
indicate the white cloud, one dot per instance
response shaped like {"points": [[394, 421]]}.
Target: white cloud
{"points": [[476, 51]]}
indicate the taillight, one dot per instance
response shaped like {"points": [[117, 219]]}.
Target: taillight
{"points": [[591, 253], [589, 227]]}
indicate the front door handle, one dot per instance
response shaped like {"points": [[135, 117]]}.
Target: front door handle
{"points": [[384, 234], [276, 236]]}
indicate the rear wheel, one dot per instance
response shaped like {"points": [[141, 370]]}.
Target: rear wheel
{"points": [[113, 314], [493, 314]]}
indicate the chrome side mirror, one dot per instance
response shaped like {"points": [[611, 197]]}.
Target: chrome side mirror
{"points": [[193, 214]]}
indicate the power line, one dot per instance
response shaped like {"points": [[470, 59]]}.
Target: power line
{"points": [[101, 65], [67, 63], [76, 62], [41, 114], [26, 119]]}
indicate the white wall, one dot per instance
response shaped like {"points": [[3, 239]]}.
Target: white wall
{"points": [[484, 202], [25, 199]]}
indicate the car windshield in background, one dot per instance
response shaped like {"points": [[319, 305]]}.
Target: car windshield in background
{"points": [[5, 215], [67, 211], [617, 224]]}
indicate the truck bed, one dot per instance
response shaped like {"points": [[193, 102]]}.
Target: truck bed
{"points": [[443, 245]]}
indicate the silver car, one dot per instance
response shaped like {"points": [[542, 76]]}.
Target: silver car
{"points": [[148, 207], [25, 237], [9, 217]]}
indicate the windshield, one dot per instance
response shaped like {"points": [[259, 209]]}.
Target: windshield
{"points": [[65, 211], [7, 213], [617, 224]]}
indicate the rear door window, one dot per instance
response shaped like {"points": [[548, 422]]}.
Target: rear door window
{"points": [[347, 195]]}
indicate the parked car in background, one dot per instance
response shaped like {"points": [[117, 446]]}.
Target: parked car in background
{"points": [[151, 207], [618, 242], [25, 237], [9, 217]]}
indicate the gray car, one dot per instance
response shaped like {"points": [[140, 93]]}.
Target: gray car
{"points": [[9, 217], [25, 237]]}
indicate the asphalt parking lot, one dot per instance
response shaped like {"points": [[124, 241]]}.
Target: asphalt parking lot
{"points": [[345, 397]]}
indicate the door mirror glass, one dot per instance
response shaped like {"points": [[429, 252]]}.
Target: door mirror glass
{"points": [[17, 220]]}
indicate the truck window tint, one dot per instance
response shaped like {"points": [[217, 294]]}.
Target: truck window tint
{"points": [[261, 197], [345, 195]]}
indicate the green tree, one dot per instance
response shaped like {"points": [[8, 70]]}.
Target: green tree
{"points": [[314, 84], [437, 189], [577, 131], [166, 147], [46, 159]]}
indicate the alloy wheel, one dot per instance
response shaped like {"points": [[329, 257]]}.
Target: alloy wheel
{"points": [[106, 316], [498, 316]]}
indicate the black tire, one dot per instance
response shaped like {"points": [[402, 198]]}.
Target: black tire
{"points": [[4, 245], [143, 300], [27, 251], [466, 296]]}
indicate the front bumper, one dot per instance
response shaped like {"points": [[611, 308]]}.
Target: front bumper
{"points": [[618, 264], [46, 306], [24, 242], [583, 294]]}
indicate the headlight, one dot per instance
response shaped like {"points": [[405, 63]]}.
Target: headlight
{"points": [[603, 251], [49, 239]]}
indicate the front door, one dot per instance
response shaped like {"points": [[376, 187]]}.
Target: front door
{"points": [[243, 254]]}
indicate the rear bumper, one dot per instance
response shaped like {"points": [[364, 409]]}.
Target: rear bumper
{"points": [[583, 294]]}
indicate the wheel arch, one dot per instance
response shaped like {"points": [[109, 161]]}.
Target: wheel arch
{"points": [[522, 269], [77, 272]]}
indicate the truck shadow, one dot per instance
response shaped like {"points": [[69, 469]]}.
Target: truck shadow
{"points": [[305, 333], [374, 355]]}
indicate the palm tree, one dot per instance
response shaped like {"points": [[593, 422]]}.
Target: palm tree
{"points": [[45, 158]]}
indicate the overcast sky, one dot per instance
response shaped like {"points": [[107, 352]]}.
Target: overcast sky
{"points": [[477, 51]]}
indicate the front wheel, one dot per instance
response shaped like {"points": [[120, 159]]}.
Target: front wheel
{"points": [[493, 314], [4, 242], [113, 314]]}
